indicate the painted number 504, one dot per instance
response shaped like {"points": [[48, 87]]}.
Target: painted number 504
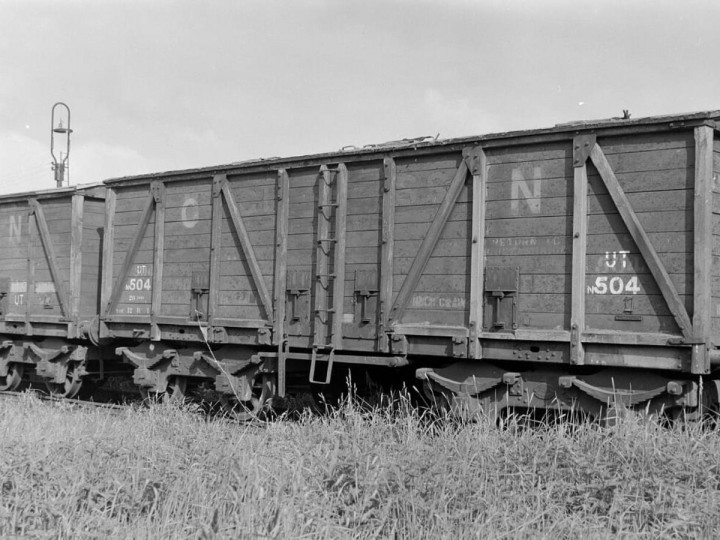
{"points": [[614, 285]]}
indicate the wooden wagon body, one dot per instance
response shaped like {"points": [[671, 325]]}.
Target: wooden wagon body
{"points": [[564, 251], [49, 280]]}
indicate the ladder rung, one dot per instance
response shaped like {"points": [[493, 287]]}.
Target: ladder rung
{"points": [[320, 310], [324, 275], [321, 240], [321, 206]]}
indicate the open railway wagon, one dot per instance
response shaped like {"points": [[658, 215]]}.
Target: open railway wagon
{"points": [[49, 287], [563, 268]]}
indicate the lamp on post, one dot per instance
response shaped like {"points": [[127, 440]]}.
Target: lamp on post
{"points": [[59, 166]]}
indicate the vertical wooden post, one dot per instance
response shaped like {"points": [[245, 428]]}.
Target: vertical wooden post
{"points": [[215, 246], [158, 192], [32, 241], [281, 239], [76, 238], [386, 257], [477, 164], [582, 145], [108, 247], [341, 185], [703, 243]]}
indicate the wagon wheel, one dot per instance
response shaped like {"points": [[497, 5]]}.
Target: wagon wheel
{"points": [[13, 378], [175, 392], [72, 384], [264, 388]]}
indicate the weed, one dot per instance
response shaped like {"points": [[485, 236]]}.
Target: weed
{"points": [[363, 470]]}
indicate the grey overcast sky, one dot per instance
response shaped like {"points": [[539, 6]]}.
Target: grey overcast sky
{"points": [[160, 85]]}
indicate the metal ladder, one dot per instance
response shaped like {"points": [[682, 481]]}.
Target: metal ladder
{"points": [[326, 247]]}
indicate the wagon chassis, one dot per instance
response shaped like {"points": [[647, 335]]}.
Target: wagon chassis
{"points": [[489, 361]]}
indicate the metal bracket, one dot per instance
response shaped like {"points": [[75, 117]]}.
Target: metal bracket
{"points": [[399, 344], [459, 347], [610, 395], [686, 341], [157, 189], [47, 355], [366, 287], [217, 334], [388, 165], [582, 145], [575, 343], [265, 336], [218, 183], [473, 159], [501, 298], [280, 194], [138, 360]]}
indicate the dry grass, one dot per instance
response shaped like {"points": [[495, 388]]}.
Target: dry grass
{"points": [[390, 473]]}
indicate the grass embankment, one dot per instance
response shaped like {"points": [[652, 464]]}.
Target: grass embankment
{"points": [[165, 473]]}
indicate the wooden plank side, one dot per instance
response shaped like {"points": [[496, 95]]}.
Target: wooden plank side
{"points": [[248, 251], [641, 239], [419, 215], [716, 240], [118, 283], [429, 243], [363, 252], [51, 259]]}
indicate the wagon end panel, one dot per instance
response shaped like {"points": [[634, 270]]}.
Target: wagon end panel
{"points": [[50, 229], [49, 272]]}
